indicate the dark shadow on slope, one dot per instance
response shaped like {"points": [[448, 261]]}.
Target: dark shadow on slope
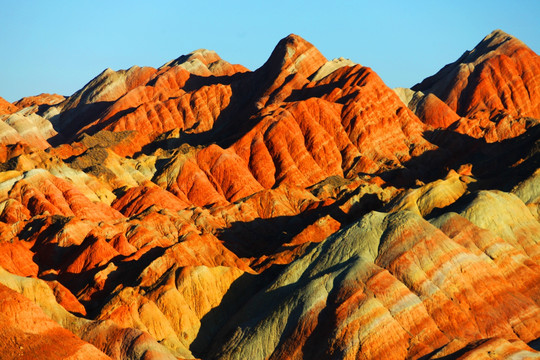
{"points": [[262, 236], [67, 124], [312, 92], [535, 344], [47, 253], [238, 294], [455, 207], [94, 129], [272, 299], [317, 346], [232, 123], [499, 165], [195, 82], [127, 273], [457, 354], [266, 236], [31, 228]]}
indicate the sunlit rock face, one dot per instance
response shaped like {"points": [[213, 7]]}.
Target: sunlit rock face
{"points": [[495, 88], [6, 107], [303, 210]]}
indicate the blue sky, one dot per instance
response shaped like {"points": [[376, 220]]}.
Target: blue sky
{"points": [[58, 46]]}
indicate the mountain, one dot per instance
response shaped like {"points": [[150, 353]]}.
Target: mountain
{"points": [[303, 210], [494, 86], [500, 75], [6, 107]]}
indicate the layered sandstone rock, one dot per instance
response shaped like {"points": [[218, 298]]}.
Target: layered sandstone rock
{"points": [[34, 303], [395, 272], [25, 126], [41, 99], [28, 333], [302, 210], [500, 75], [6, 107]]}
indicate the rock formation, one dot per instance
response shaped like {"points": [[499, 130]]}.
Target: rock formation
{"points": [[303, 210], [493, 86], [41, 99]]}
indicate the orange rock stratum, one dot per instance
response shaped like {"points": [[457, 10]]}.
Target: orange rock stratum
{"points": [[303, 210]]}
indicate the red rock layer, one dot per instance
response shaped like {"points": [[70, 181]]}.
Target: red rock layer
{"points": [[434, 112], [41, 99], [16, 258], [12, 150], [499, 76], [210, 211], [43, 193], [27, 333], [6, 107], [303, 142], [140, 198], [484, 349]]}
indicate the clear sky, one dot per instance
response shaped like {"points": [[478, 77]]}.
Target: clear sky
{"points": [[58, 46]]}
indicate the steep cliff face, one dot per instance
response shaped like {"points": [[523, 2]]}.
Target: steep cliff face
{"points": [[303, 210]]}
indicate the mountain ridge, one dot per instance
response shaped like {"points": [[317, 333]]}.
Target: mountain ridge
{"points": [[300, 210], [497, 50]]}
